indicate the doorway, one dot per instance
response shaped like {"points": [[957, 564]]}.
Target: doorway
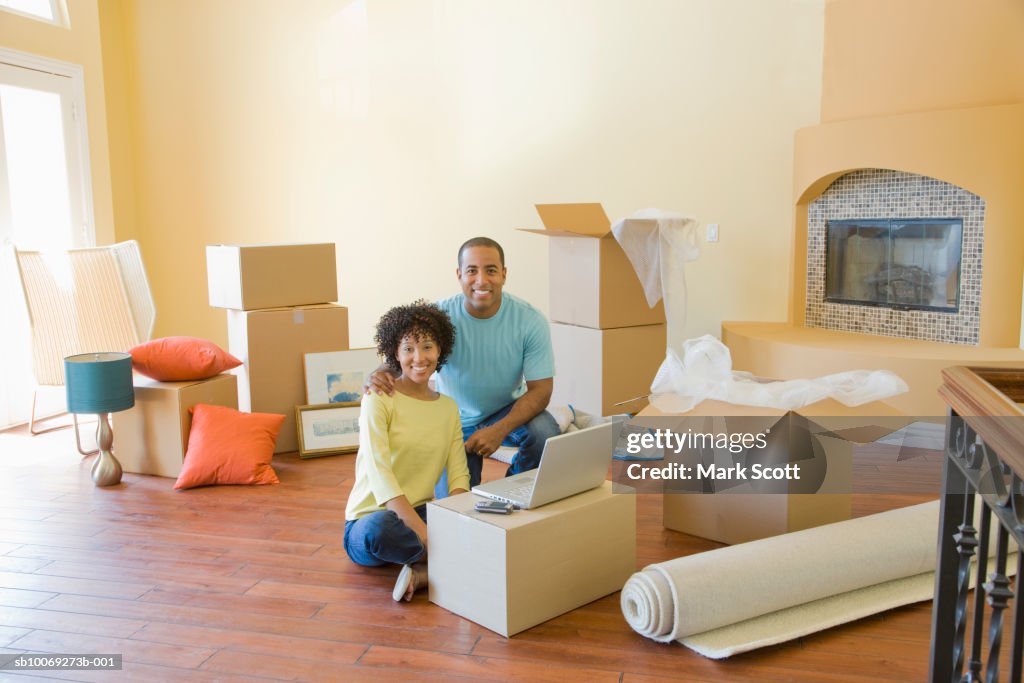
{"points": [[45, 198]]}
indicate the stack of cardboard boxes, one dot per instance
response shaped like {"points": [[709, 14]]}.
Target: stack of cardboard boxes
{"points": [[277, 299], [608, 343]]}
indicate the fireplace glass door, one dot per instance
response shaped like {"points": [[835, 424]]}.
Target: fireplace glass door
{"points": [[900, 263]]}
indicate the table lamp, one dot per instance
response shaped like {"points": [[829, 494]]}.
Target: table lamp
{"points": [[100, 383]]}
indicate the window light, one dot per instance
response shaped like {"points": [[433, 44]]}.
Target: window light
{"points": [[50, 11]]}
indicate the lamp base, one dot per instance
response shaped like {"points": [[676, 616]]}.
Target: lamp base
{"points": [[106, 471]]}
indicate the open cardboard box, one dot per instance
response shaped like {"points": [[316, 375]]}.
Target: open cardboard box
{"points": [[593, 284], [740, 517]]}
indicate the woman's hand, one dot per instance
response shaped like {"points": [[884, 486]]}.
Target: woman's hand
{"points": [[407, 513]]}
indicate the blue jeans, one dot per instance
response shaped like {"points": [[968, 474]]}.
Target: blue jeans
{"points": [[529, 437], [383, 538]]}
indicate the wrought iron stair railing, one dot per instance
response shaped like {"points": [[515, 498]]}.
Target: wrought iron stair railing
{"points": [[984, 469]]}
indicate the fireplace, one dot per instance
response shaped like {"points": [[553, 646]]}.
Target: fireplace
{"points": [[965, 164], [896, 254], [899, 263]]}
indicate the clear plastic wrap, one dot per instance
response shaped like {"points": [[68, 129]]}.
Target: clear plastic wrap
{"points": [[705, 371]]}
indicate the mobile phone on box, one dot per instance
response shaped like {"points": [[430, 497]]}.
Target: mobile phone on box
{"points": [[494, 506]]}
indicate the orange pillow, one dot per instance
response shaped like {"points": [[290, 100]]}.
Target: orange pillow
{"points": [[226, 446], [176, 359]]}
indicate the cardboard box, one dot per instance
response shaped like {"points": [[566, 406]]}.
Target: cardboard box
{"points": [[593, 284], [595, 369], [152, 437], [510, 572], [733, 518], [249, 277], [271, 344], [740, 517]]}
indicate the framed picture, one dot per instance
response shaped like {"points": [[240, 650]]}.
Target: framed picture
{"points": [[327, 429], [338, 376]]}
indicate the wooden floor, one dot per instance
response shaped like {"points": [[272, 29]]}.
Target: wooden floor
{"points": [[251, 583]]}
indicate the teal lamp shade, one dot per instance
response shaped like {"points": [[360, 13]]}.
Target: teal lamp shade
{"points": [[98, 383]]}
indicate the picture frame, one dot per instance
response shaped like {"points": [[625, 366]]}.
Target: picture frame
{"points": [[327, 429], [338, 376]]}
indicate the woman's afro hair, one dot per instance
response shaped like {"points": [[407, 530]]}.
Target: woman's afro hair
{"points": [[419, 320]]}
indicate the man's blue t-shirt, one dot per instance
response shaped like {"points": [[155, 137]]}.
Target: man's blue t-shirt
{"points": [[494, 357]]}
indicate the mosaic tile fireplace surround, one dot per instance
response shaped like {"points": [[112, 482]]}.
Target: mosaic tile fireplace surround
{"points": [[868, 194]]}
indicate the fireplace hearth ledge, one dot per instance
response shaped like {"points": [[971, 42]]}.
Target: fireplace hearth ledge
{"points": [[785, 351]]}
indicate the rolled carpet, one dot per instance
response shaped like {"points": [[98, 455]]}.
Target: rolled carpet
{"points": [[742, 597]]}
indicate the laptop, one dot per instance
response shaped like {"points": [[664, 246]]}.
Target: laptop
{"points": [[571, 463]]}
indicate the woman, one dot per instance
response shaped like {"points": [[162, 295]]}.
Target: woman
{"points": [[405, 441]]}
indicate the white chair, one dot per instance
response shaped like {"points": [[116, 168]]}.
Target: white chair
{"points": [[80, 301]]}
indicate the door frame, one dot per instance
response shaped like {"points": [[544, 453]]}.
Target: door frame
{"points": [[85, 234]]}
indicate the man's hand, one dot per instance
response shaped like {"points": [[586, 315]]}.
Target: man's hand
{"points": [[486, 440], [380, 380]]}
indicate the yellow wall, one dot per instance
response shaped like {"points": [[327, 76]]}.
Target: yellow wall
{"points": [[897, 56], [79, 44], [401, 135], [929, 87], [117, 72]]}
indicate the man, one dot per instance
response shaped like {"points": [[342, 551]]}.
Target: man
{"points": [[501, 371]]}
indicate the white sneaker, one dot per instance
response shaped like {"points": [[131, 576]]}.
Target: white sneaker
{"points": [[402, 583]]}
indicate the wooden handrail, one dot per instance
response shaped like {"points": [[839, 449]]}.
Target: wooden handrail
{"points": [[985, 399]]}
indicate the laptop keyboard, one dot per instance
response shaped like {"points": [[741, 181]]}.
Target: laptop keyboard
{"points": [[521, 493]]}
